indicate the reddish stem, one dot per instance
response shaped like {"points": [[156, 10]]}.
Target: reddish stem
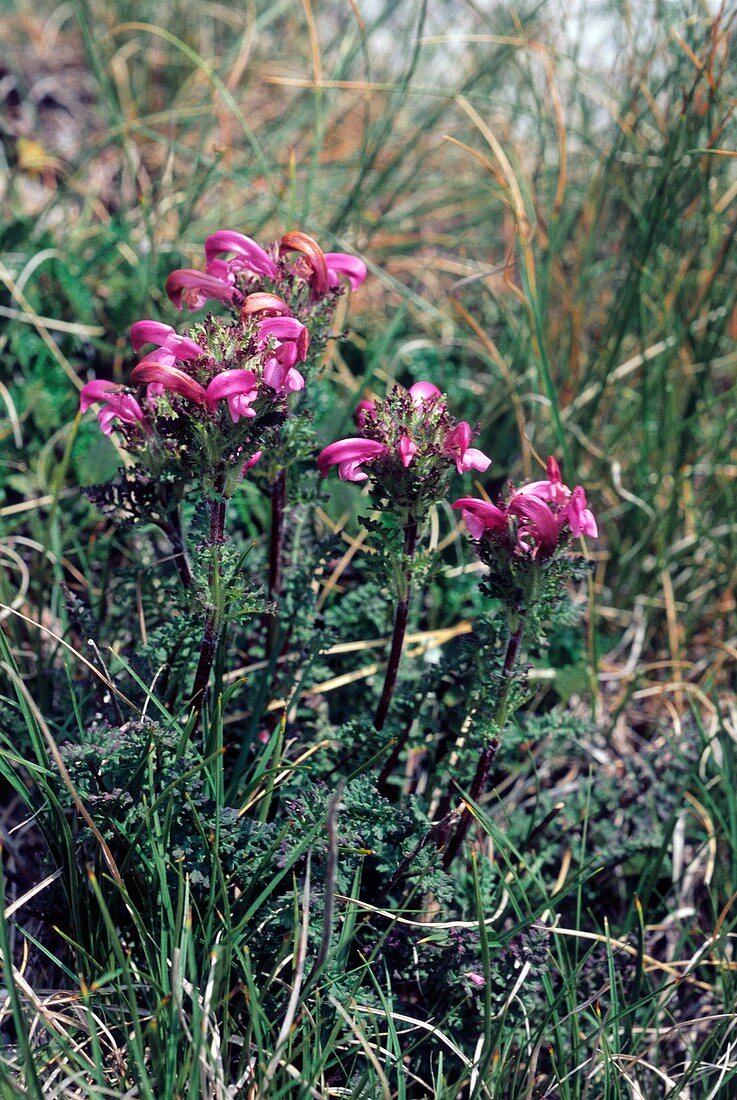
{"points": [[400, 627], [489, 753], [212, 624]]}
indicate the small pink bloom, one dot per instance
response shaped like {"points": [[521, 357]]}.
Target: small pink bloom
{"points": [[480, 516], [286, 330], [314, 258], [476, 979], [580, 518], [342, 263], [466, 458], [250, 462], [280, 376], [538, 529], [349, 454], [362, 408], [572, 502], [407, 450], [249, 256], [164, 336], [152, 369], [423, 392], [119, 405], [238, 387], [269, 304], [193, 288]]}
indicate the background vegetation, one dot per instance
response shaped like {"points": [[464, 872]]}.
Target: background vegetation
{"points": [[548, 206]]}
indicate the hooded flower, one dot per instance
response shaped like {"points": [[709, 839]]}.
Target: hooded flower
{"points": [[349, 455], [289, 340], [350, 267], [246, 254], [191, 288], [118, 403], [535, 518], [411, 440], [238, 387], [466, 458]]}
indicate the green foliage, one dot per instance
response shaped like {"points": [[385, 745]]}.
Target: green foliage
{"points": [[251, 901]]}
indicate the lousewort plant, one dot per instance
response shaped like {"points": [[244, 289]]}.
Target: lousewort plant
{"points": [[290, 779]]}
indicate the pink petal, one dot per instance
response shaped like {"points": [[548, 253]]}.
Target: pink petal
{"points": [[362, 408], [155, 332], [473, 459], [250, 462], [97, 390], [230, 382], [424, 391], [120, 404], [580, 518], [407, 450], [262, 302], [349, 452], [480, 516], [248, 253], [342, 263], [538, 522], [281, 376], [171, 378], [193, 288]]}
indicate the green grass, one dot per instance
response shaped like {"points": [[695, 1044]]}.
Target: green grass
{"points": [[551, 241]]}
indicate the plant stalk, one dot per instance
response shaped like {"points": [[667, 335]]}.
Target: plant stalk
{"points": [[173, 531], [400, 627], [276, 551], [489, 753], [218, 505]]}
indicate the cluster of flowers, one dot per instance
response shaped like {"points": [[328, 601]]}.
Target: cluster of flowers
{"points": [[409, 436], [535, 519], [246, 363]]}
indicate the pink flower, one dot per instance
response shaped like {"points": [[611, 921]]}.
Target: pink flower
{"points": [[342, 263], [480, 516], [251, 462], [238, 387], [291, 341], [349, 455], [269, 304], [422, 392], [164, 336], [535, 517], [247, 255], [407, 450], [312, 267], [119, 405], [580, 518], [572, 501], [285, 330], [538, 529], [156, 367], [466, 458], [362, 408], [193, 288]]}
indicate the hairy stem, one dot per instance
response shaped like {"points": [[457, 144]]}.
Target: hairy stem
{"points": [[174, 533], [400, 627], [276, 550], [276, 534], [211, 633], [489, 753]]}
